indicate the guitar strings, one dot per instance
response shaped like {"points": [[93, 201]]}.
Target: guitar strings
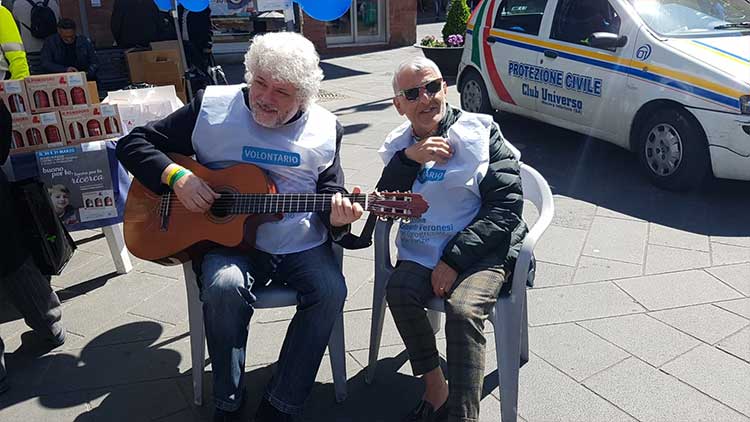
{"points": [[242, 202]]}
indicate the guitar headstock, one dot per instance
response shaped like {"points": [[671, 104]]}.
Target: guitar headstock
{"points": [[397, 205]]}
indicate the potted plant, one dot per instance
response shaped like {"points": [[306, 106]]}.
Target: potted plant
{"points": [[446, 52]]}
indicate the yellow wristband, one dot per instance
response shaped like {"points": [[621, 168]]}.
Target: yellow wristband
{"points": [[171, 174]]}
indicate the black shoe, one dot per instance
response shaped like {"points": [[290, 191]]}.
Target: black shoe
{"points": [[267, 413], [424, 412], [224, 416]]}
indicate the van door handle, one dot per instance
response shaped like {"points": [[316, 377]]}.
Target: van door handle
{"points": [[491, 40], [550, 53]]}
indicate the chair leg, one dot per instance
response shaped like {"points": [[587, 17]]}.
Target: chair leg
{"points": [[508, 348], [197, 334], [436, 320], [525, 332], [337, 352], [376, 331]]}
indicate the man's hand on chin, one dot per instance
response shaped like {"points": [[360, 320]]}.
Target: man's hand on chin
{"points": [[443, 277], [343, 212]]}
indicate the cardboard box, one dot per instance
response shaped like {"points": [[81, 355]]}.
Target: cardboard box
{"points": [[13, 95], [93, 92], [57, 91], [173, 45], [38, 131], [155, 66], [94, 123]]}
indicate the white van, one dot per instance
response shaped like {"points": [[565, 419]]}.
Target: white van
{"points": [[667, 79]]}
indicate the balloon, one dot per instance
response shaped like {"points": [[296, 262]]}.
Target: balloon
{"points": [[194, 5], [325, 10], [163, 4]]}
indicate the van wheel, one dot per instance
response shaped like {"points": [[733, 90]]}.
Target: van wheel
{"points": [[474, 98], [673, 150]]}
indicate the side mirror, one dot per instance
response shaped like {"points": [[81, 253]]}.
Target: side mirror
{"points": [[607, 40]]}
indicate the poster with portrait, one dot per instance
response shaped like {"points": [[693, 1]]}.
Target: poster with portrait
{"points": [[79, 182]]}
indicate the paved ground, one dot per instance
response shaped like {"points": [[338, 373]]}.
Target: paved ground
{"points": [[641, 309]]}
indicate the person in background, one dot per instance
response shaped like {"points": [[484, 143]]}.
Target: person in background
{"points": [[22, 12], [68, 52], [13, 64], [24, 285], [196, 36], [135, 23]]}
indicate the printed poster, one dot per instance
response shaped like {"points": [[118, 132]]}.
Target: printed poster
{"points": [[233, 7], [79, 182]]}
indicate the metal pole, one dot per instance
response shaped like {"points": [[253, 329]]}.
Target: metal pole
{"points": [[183, 57]]}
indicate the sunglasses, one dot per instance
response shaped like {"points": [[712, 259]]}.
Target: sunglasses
{"points": [[432, 88]]}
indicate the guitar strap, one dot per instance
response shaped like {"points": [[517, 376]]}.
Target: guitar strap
{"points": [[364, 240]]}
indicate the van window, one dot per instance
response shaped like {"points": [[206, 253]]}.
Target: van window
{"points": [[520, 16], [576, 20]]}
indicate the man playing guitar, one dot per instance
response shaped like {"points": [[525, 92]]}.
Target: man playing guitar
{"points": [[274, 124]]}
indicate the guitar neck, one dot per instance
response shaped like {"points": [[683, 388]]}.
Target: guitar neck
{"points": [[241, 203]]}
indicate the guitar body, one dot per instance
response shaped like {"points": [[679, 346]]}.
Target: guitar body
{"points": [[186, 235]]}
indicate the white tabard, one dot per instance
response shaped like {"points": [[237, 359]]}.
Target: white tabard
{"points": [[451, 189]]}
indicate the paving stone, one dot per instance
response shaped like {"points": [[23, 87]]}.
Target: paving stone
{"points": [[67, 407], [663, 259], [653, 396], [172, 271], [580, 302], [608, 213], [325, 374], [573, 213], [560, 245], [168, 305], [357, 326], [718, 374], [84, 270], [668, 236], [738, 345], [138, 401], [361, 299], [672, 290], [620, 240], [646, 338], [737, 276], [596, 269], [573, 350], [740, 307], [729, 254], [704, 322], [549, 275], [88, 313], [743, 241], [547, 395]]}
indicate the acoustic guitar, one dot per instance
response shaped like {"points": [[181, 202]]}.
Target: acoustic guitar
{"points": [[159, 228]]}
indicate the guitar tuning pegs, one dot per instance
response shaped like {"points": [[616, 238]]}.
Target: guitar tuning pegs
{"points": [[405, 220], [383, 218]]}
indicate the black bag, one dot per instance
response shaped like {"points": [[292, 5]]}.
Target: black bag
{"points": [[43, 20], [46, 237]]}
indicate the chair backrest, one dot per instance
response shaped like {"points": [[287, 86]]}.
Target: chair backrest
{"points": [[537, 191]]}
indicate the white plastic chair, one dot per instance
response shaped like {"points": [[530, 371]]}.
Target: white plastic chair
{"points": [[271, 296], [509, 317]]}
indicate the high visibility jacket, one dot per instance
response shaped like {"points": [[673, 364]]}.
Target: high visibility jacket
{"points": [[12, 54]]}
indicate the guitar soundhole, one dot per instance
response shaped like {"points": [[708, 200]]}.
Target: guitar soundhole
{"points": [[223, 207]]}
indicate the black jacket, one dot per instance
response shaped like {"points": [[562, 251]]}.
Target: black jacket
{"points": [[495, 235], [135, 23], [12, 253], [143, 153], [198, 26], [53, 56]]}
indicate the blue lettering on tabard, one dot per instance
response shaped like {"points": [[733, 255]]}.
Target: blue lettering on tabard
{"points": [[54, 152], [430, 175], [270, 156]]}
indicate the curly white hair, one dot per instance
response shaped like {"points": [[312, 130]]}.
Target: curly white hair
{"points": [[415, 64], [288, 57]]}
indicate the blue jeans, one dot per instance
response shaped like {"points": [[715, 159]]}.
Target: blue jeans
{"points": [[228, 282]]}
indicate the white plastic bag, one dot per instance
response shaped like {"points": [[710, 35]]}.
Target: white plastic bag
{"points": [[141, 106]]}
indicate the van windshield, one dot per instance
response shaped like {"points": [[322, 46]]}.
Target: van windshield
{"points": [[693, 17]]}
